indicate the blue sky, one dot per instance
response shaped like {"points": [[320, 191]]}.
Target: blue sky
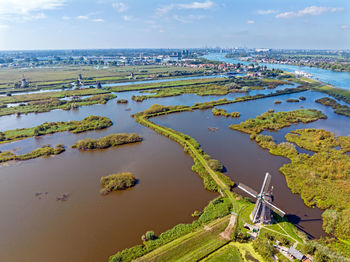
{"points": [[68, 24]]}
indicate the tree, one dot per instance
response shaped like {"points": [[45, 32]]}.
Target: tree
{"points": [[148, 236]]}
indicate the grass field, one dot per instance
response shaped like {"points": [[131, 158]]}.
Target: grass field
{"points": [[235, 252]]}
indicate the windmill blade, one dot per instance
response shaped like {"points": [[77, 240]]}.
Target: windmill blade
{"points": [[274, 208], [248, 190], [266, 183], [256, 210]]}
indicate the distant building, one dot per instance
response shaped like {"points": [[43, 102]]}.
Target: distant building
{"points": [[24, 83]]}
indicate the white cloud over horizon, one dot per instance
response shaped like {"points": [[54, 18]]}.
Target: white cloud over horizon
{"points": [[250, 22], [194, 5], [311, 11]]}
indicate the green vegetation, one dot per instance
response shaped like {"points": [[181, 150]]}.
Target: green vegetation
{"points": [[57, 77], [87, 124], [122, 101], [222, 112], [184, 242], [38, 105], [338, 93], [212, 88], [180, 83], [107, 141], [292, 100], [275, 121], [117, 182], [44, 151], [322, 179], [338, 108]]}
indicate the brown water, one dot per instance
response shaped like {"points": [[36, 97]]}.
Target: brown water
{"points": [[91, 227]]}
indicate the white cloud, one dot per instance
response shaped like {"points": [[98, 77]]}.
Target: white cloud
{"points": [[98, 20], [120, 6], [311, 10], [4, 26], [344, 27], [197, 5], [128, 18], [267, 12], [82, 17], [250, 22], [194, 5], [188, 19], [25, 10]]}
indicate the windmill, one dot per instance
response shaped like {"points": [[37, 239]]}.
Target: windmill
{"points": [[262, 212]]}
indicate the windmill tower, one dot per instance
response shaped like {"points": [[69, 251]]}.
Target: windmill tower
{"points": [[262, 212]]}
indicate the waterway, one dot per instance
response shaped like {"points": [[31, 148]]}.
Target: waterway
{"points": [[337, 79], [91, 227]]}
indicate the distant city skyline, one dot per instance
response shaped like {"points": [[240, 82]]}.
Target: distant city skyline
{"points": [[87, 24]]}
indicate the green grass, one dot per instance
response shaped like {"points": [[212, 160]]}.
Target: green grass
{"points": [[107, 141], [45, 151], [274, 121], [229, 253], [235, 252], [191, 247], [87, 124]]}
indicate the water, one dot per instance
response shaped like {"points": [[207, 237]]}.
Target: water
{"points": [[337, 79], [91, 227]]}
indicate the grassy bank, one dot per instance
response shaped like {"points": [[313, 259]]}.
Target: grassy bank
{"points": [[88, 123], [107, 141], [338, 108]]}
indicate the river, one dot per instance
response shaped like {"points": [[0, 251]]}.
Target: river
{"points": [[337, 79], [90, 227]]}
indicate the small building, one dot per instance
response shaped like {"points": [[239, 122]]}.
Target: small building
{"points": [[296, 254]]}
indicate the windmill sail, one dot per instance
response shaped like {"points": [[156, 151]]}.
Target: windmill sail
{"points": [[248, 190], [262, 211], [267, 182], [274, 208]]}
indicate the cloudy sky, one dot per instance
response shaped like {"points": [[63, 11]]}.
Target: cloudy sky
{"points": [[67, 24]]}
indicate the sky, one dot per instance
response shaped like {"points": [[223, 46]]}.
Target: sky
{"points": [[88, 24]]}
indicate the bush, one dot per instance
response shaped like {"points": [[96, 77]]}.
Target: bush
{"points": [[107, 141], [116, 182]]}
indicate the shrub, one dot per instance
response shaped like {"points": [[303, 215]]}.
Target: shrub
{"points": [[116, 182]]}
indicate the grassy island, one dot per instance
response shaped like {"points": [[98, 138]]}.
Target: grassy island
{"points": [[292, 100], [212, 88], [107, 141], [87, 124], [338, 108], [44, 151], [222, 112], [122, 101], [274, 121], [38, 103], [117, 182]]}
